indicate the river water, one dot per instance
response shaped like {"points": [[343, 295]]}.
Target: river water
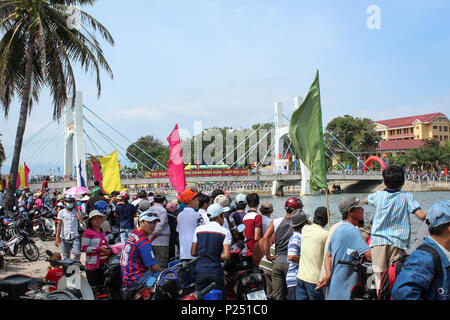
{"points": [[311, 202]]}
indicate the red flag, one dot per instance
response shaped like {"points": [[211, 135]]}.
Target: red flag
{"points": [[175, 165], [97, 173], [27, 172]]}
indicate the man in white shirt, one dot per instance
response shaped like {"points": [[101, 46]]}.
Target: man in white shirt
{"points": [[187, 221], [67, 230], [204, 202]]}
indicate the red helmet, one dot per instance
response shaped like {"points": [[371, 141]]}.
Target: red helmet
{"points": [[125, 196], [293, 203]]}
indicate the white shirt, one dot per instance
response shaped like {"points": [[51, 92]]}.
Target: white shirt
{"points": [[204, 216], [69, 228], [187, 221]]}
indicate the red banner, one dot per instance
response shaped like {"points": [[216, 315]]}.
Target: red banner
{"points": [[201, 173]]}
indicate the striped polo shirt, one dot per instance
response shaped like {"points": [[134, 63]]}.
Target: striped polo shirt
{"points": [[391, 222], [137, 255], [210, 239]]}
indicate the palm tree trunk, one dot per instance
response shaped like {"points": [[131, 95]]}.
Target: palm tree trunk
{"points": [[11, 190]]}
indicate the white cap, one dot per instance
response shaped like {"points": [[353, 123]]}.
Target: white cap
{"points": [[215, 210], [240, 198]]}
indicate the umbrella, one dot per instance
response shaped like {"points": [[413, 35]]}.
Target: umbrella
{"points": [[76, 191]]}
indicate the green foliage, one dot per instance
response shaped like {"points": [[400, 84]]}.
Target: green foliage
{"points": [[429, 156], [356, 134], [153, 147]]}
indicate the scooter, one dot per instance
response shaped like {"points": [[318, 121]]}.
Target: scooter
{"points": [[366, 288], [209, 293], [18, 286], [22, 240], [244, 281], [73, 285]]}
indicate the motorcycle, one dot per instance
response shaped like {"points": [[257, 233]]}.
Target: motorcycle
{"points": [[366, 288], [21, 240], [209, 293], [18, 286], [44, 226], [244, 281], [73, 285]]}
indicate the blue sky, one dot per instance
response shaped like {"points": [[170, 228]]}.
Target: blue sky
{"points": [[227, 62]]}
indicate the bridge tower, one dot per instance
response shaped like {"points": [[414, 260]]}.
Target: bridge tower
{"points": [[281, 131], [74, 140]]}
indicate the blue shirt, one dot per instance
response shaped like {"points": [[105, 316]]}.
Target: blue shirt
{"points": [[210, 239], [294, 245], [126, 215], [419, 280], [391, 223], [343, 278], [137, 255]]}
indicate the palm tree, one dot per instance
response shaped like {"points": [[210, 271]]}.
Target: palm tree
{"points": [[38, 46]]}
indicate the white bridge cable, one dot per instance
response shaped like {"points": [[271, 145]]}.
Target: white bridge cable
{"points": [[123, 136], [112, 143], [247, 153], [58, 144], [34, 135], [92, 143], [339, 162], [268, 151], [44, 146]]}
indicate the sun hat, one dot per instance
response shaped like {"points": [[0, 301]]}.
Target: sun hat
{"points": [[94, 213], [438, 214], [215, 210], [266, 207], [348, 203], [298, 217]]}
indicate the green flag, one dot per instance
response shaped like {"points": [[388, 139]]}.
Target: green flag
{"points": [[306, 135]]}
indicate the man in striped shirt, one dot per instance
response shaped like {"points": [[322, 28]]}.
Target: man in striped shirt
{"points": [[391, 227], [137, 261]]}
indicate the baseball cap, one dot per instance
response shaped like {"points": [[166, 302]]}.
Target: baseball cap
{"points": [[223, 201], [298, 217], [187, 196], [215, 210], [348, 203], [240, 198], [149, 216], [144, 205], [438, 214]]}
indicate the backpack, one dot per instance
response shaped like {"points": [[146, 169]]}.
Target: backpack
{"points": [[389, 276]]}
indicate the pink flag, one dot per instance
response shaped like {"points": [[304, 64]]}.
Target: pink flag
{"points": [[97, 173], [27, 172], [175, 165]]}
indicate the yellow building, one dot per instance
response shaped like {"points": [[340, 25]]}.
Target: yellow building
{"points": [[429, 126]]}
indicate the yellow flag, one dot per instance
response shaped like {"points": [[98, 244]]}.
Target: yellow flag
{"points": [[111, 174], [188, 167], [22, 176]]}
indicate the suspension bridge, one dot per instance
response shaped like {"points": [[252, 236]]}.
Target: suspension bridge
{"points": [[68, 139]]}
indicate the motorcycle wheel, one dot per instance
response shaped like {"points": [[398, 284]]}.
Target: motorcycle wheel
{"points": [[30, 251], [42, 235]]}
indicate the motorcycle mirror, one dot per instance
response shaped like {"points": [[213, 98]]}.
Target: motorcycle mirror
{"points": [[241, 227]]}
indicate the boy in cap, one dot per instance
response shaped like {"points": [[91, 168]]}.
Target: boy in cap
{"points": [[312, 248], [339, 278], [211, 243], [161, 236], [187, 221], [137, 261], [391, 226], [425, 275]]}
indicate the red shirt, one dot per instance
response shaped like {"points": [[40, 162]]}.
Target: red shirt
{"points": [[54, 275], [251, 221]]}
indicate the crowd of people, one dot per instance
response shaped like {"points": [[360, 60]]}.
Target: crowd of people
{"points": [[296, 252]]}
